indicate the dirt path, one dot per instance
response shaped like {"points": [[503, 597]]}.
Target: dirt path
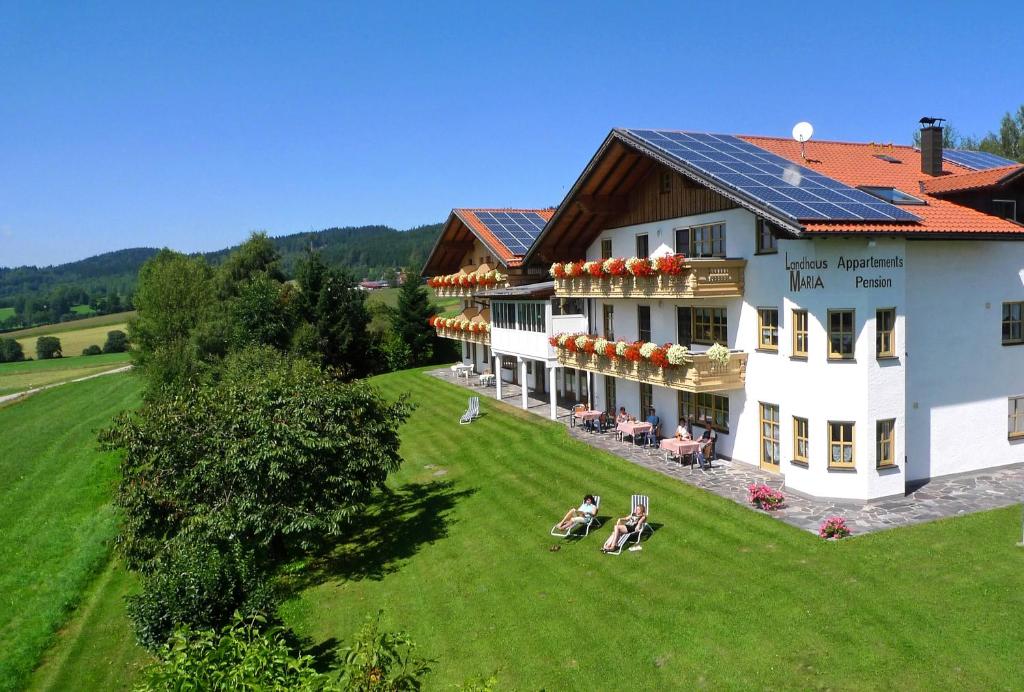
{"points": [[18, 396]]}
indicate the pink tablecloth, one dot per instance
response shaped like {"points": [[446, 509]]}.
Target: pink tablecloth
{"points": [[680, 447], [587, 415], [634, 429]]}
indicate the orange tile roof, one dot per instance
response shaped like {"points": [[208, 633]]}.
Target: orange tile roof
{"points": [[971, 181], [469, 217], [856, 164]]}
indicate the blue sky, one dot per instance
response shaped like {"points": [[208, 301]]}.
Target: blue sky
{"points": [[190, 125]]}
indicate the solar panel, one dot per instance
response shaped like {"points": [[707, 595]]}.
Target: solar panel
{"points": [[766, 178], [515, 230], [976, 160]]}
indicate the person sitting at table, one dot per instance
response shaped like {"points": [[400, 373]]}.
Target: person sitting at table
{"points": [[624, 526], [655, 431], [580, 514], [683, 430], [623, 417]]}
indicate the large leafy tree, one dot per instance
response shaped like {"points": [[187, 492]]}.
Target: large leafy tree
{"points": [[410, 320]]}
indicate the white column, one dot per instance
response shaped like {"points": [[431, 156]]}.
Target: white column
{"points": [[523, 382], [496, 359], [553, 389]]}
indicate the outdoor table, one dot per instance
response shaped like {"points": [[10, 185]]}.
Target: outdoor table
{"points": [[486, 380], [587, 415], [679, 448], [462, 370], [632, 429]]}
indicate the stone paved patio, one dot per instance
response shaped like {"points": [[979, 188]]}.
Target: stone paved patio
{"points": [[948, 496]]}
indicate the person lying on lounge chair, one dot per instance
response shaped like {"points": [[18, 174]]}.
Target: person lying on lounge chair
{"points": [[624, 526], [580, 514]]}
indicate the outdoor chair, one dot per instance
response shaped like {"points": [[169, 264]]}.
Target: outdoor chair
{"points": [[589, 522], [638, 532], [578, 408], [472, 411]]}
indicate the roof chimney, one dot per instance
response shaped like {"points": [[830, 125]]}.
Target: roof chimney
{"points": [[931, 146]]}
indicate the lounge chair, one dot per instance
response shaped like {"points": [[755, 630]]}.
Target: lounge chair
{"points": [[472, 411], [638, 532], [590, 521]]}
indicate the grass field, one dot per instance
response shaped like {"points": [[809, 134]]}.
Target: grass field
{"points": [[83, 310], [720, 596], [73, 341], [388, 297], [17, 377], [56, 519], [118, 319], [6, 313]]}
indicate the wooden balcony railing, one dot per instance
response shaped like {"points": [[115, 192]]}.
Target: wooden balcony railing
{"points": [[463, 335], [461, 291], [702, 278], [698, 374]]}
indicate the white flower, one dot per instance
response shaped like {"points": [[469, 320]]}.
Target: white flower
{"points": [[676, 354], [562, 338], [647, 349], [719, 354], [554, 268], [600, 344], [607, 266], [620, 348], [581, 341]]}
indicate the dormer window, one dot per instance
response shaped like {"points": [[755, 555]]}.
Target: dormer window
{"points": [[891, 195], [887, 158]]}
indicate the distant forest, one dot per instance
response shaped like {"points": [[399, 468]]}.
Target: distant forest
{"points": [[38, 295]]}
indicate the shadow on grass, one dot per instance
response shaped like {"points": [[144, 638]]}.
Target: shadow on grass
{"points": [[398, 525]]}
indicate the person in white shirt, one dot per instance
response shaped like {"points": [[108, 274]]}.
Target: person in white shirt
{"points": [[683, 430], [580, 514]]}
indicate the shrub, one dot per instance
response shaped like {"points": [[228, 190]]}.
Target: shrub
{"points": [[11, 351], [760, 495], [117, 342], [48, 347], [93, 350], [379, 660], [834, 527], [242, 656]]}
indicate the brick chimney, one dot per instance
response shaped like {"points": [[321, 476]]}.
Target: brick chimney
{"points": [[931, 146]]}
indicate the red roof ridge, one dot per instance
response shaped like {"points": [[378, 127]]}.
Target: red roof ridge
{"points": [[811, 142]]}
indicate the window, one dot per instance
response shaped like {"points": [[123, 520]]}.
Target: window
{"points": [[1013, 323], [643, 322], [709, 326], [885, 439], [840, 443], [641, 246], [891, 195], [486, 355], [768, 329], [646, 401], [800, 437], [472, 353], [702, 241], [770, 436], [530, 317], [840, 334], [800, 333], [885, 333], [1016, 428], [503, 315], [767, 242], [1005, 209], [609, 395], [700, 407], [665, 181], [608, 321], [606, 248]]}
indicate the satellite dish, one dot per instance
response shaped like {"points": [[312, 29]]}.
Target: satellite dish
{"points": [[802, 131]]}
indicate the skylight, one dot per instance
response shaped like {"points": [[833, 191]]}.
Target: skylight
{"points": [[891, 195], [887, 158]]}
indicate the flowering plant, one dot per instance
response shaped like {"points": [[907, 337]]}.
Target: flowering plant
{"points": [[632, 353], [670, 264], [658, 357], [616, 266], [639, 266], [472, 279], [600, 343], [718, 354], [557, 271], [620, 348], [609, 350], [676, 354], [647, 349], [834, 527], [764, 497], [553, 340], [582, 341], [574, 269], [564, 338], [593, 268]]}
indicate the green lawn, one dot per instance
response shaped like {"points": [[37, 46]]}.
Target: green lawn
{"points": [[6, 313], [56, 520], [83, 310], [116, 320], [17, 377], [388, 297], [720, 597]]}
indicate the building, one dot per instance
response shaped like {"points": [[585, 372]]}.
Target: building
{"points": [[845, 315]]}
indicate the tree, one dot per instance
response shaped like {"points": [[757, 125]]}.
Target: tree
{"points": [[10, 351], [1009, 141], [255, 256], [48, 347], [117, 342], [330, 302], [92, 350], [410, 321]]}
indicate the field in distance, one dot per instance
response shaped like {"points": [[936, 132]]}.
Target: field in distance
{"points": [[117, 318], [19, 377]]}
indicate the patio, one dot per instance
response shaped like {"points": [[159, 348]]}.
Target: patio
{"points": [[948, 496]]}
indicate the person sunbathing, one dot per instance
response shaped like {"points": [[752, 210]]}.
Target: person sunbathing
{"points": [[580, 514], [625, 525]]}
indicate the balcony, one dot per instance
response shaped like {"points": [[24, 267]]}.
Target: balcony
{"points": [[468, 281], [465, 335], [701, 278], [698, 374]]}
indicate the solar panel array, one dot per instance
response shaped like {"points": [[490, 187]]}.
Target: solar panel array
{"points": [[976, 160], [515, 229], [766, 178]]}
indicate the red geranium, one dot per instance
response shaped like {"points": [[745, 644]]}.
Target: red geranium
{"points": [[570, 344], [641, 266], [576, 268], [559, 270], [553, 340], [609, 350], [595, 269], [659, 357], [472, 279], [616, 266], [672, 264], [589, 346], [633, 352]]}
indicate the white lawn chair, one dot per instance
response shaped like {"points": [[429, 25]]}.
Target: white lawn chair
{"points": [[638, 532], [472, 411], [589, 522]]}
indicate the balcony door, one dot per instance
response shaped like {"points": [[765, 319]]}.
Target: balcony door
{"points": [[684, 319]]}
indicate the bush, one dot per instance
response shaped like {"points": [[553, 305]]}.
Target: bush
{"points": [[117, 342], [834, 527], [242, 656], [11, 351], [93, 350], [199, 582], [48, 347], [765, 497], [379, 660]]}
